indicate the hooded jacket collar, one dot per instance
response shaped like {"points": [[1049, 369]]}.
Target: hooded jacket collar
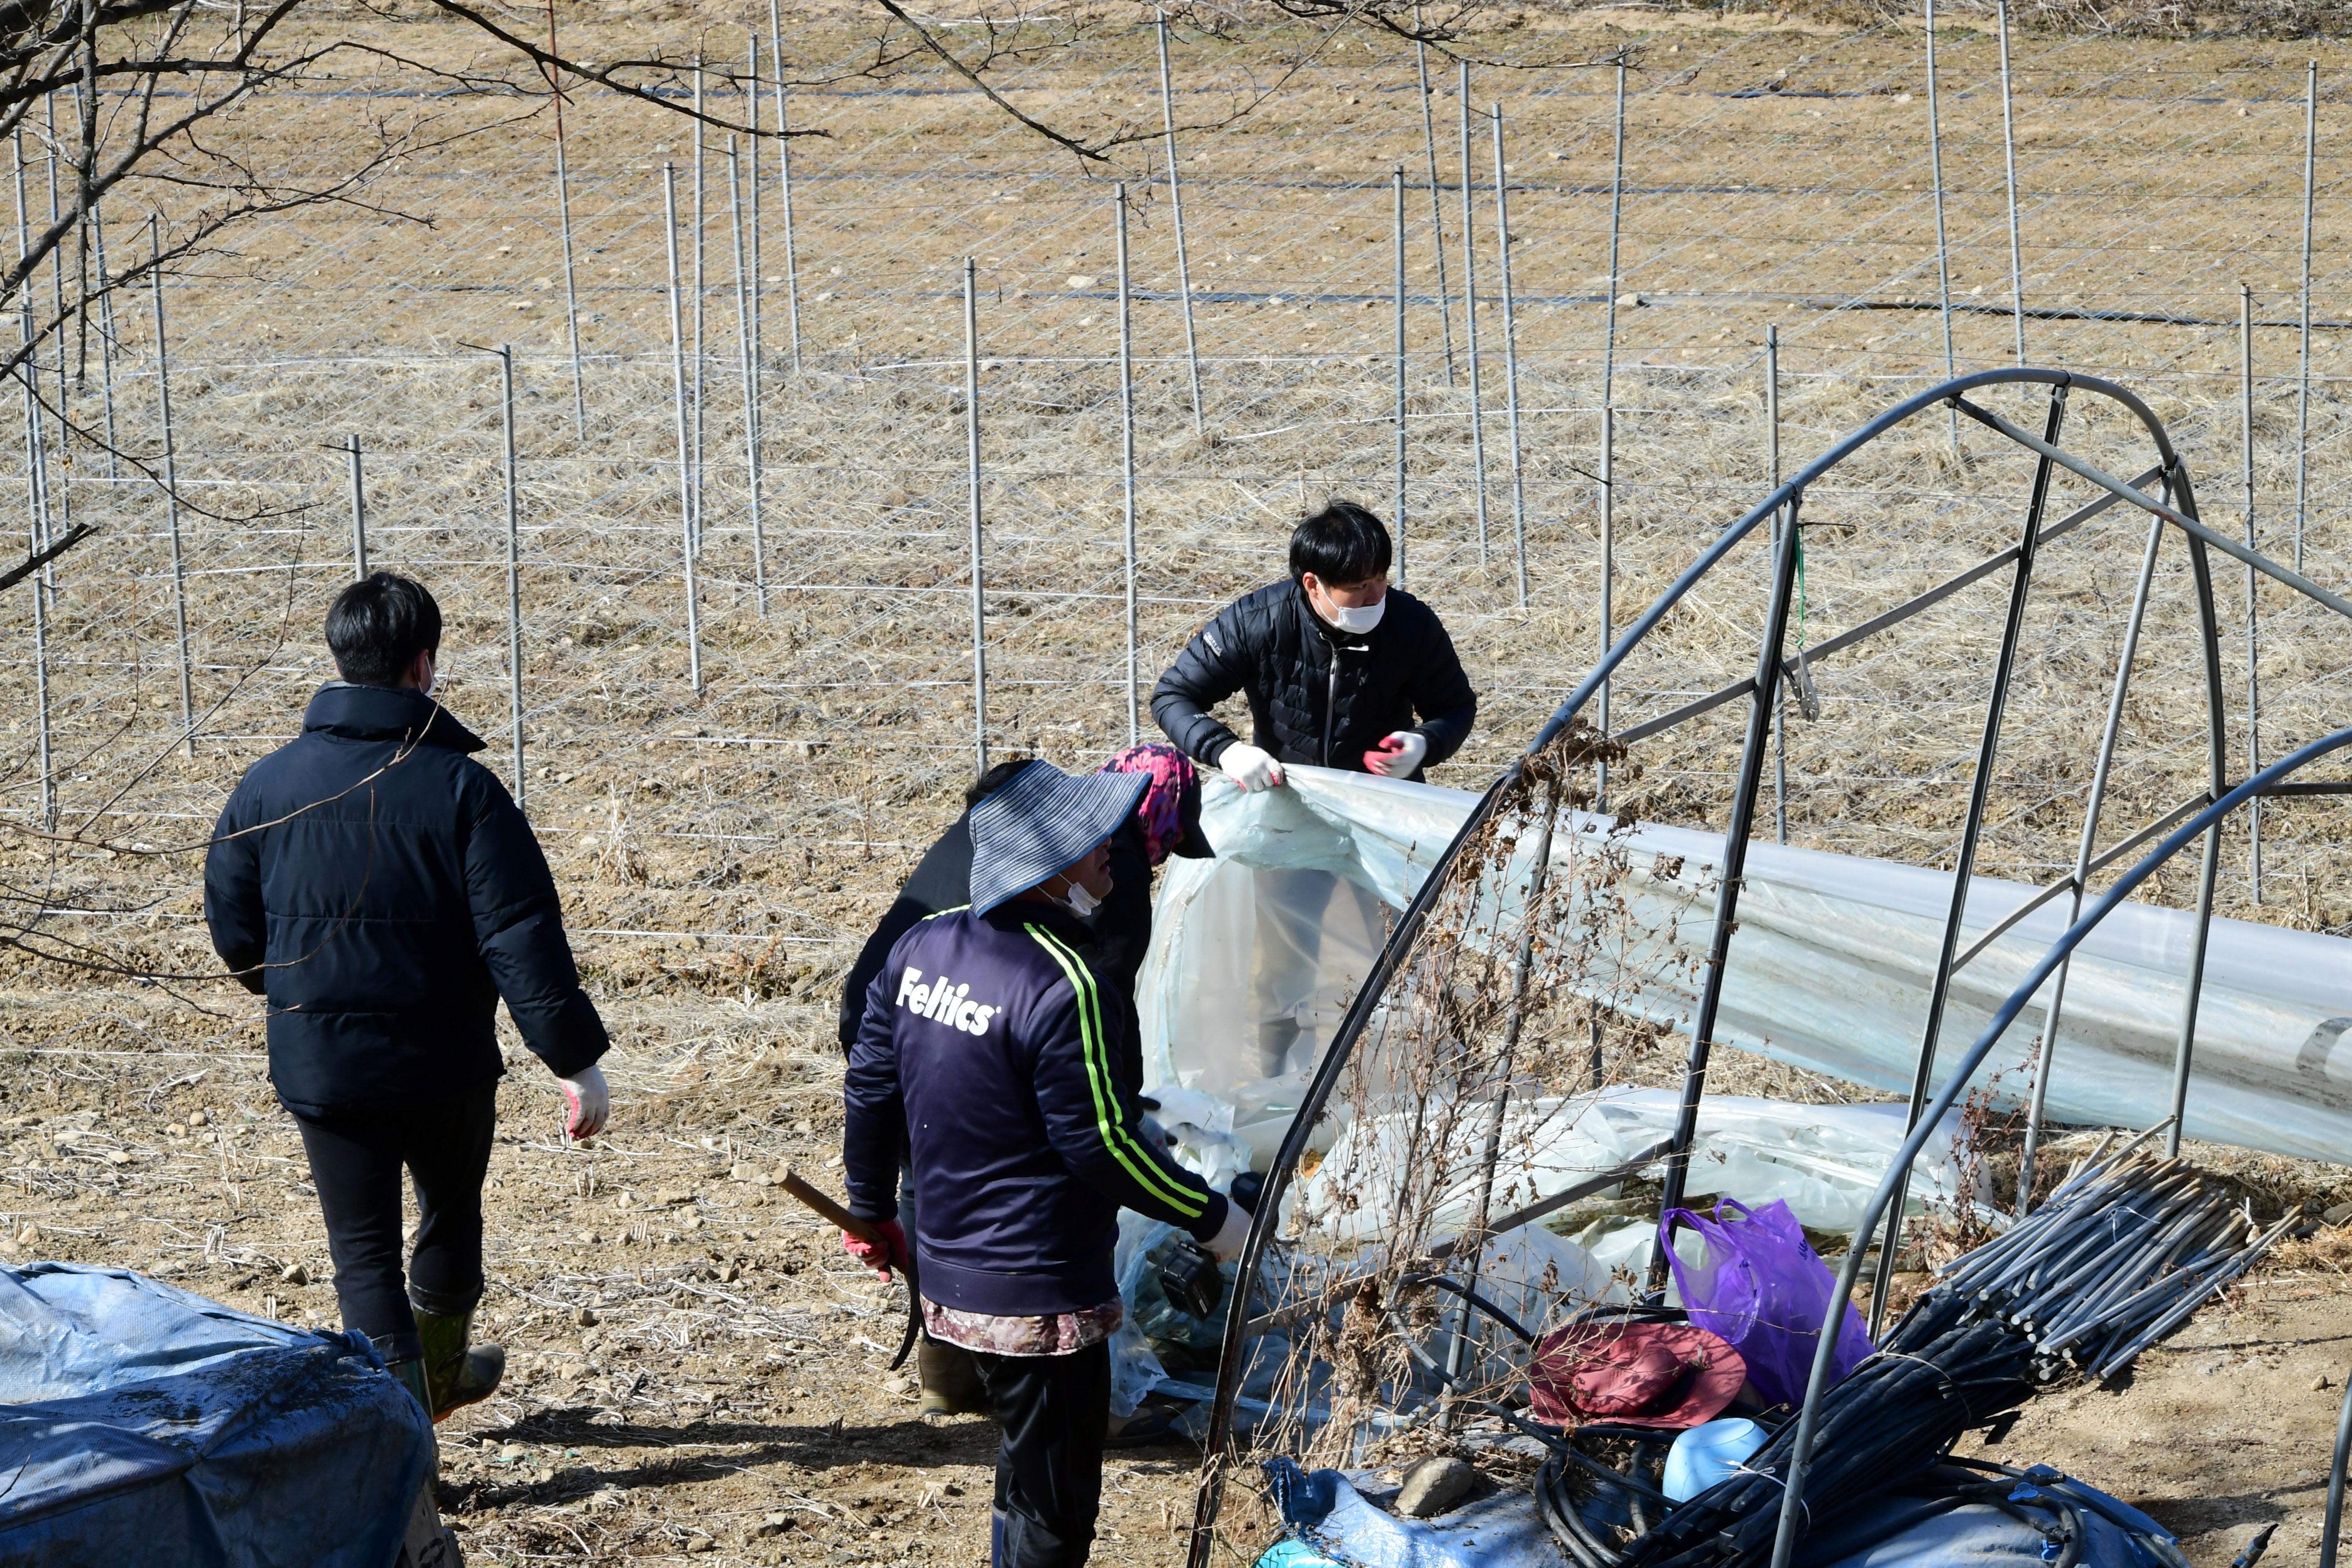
{"points": [[386, 713]]}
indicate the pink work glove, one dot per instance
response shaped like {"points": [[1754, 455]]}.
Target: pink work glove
{"points": [[589, 1101], [881, 1260], [1398, 754]]}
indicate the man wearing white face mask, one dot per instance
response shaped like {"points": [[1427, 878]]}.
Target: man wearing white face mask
{"points": [[1340, 669]]}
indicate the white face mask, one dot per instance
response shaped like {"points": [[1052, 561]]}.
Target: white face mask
{"points": [[1362, 618], [1077, 900]]}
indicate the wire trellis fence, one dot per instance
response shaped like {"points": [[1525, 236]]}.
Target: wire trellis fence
{"points": [[724, 643]]}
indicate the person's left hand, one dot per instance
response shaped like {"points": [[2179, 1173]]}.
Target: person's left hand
{"points": [[589, 1100], [1399, 755], [881, 1258]]}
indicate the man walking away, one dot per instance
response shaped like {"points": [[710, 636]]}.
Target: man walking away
{"points": [[1340, 669], [383, 891], [985, 1057]]}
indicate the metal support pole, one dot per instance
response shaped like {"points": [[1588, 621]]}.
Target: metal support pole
{"points": [[1773, 449], [2302, 397], [37, 531], [700, 354], [514, 573], [2331, 1527], [359, 512], [57, 308], [747, 362], [1176, 218], [1436, 207], [1607, 553], [1971, 828], [1470, 315], [2254, 639], [1616, 231], [1510, 355], [36, 505], [2047, 1057], [1397, 522], [1766, 693], [564, 217], [172, 492], [971, 459], [2217, 783], [106, 341], [685, 454], [753, 348], [1608, 623], [1126, 467], [2184, 1049], [784, 187], [1943, 243], [2009, 151]]}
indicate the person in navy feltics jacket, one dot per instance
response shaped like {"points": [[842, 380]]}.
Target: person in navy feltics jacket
{"points": [[986, 1057]]}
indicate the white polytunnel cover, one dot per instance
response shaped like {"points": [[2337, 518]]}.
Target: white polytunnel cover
{"points": [[1255, 954]]}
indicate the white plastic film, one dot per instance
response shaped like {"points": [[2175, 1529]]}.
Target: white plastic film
{"points": [[1829, 969]]}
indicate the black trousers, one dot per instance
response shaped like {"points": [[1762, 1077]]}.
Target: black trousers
{"points": [[356, 1160], [1053, 1410]]}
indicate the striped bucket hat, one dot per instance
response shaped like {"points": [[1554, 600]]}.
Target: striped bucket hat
{"points": [[1041, 822]]}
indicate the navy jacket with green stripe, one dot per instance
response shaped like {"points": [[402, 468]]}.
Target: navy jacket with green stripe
{"points": [[985, 1057]]}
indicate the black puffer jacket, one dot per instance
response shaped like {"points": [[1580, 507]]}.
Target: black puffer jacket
{"points": [[1317, 695], [379, 886]]}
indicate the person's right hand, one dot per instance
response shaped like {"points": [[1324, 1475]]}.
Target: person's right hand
{"points": [[1250, 767], [1226, 1244], [882, 1258], [590, 1102]]}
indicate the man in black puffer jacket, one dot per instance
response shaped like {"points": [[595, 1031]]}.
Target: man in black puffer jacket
{"points": [[1340, 669], [383, 891]]}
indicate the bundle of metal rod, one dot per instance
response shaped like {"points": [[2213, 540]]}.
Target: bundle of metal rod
{"points": [[1891, 1419], [2115, 1260]]}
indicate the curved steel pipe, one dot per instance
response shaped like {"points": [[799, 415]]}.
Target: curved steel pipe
{"points": [[1826, 1347], [1407, 931], [2331, 1526]]}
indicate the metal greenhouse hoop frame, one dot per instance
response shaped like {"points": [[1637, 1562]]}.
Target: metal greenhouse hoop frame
{"points": [[2202, 815]]}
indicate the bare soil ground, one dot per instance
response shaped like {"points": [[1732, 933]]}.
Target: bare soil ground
{"points": [[698, 1371]]}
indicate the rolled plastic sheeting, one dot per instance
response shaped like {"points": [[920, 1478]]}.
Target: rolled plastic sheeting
{"points": [[1255, 955], [1822, 1160], [145, 1424]]}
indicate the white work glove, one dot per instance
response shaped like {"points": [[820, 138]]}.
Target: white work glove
{"points": [[1249, 767], [1226, 1244], [1398, 754], [590, 1102]]}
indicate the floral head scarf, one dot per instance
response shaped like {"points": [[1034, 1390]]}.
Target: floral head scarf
{"points": [[1171, 809]]}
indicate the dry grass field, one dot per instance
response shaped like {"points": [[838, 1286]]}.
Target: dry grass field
{"points": [[696, 1369]]}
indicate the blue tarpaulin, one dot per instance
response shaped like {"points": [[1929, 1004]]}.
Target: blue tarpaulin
{"points": [[141, 1423]]}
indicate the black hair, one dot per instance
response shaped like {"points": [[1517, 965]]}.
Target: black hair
{"points": [[1343, 544], [998, 775], [378, 625]]}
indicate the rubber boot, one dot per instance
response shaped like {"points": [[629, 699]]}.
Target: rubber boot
{"points": [[950, 1379], [456, 1374], [410, 1375]]}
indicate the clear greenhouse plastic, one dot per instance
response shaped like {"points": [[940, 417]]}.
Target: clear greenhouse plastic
{"points": [[1255, 954]]}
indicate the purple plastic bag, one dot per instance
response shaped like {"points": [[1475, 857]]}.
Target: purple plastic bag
{"points": [[1763, 1289]]}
